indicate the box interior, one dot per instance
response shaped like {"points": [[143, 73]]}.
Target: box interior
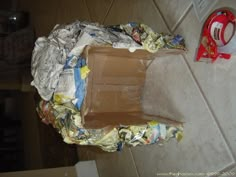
{"points": [[114, 87]]}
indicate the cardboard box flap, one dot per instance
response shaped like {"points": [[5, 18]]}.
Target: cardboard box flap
{"points": [[110, 51], [138, 54]]}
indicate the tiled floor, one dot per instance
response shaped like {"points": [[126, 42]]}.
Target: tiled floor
{"points": [[200, 94], [118, 164], [98, 9], [173, 10], [207, 104], [124, 11], [176, 95], [231, 172], [215, 80]]}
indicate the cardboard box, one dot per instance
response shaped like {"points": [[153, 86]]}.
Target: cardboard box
{"points": [[115, 84]]}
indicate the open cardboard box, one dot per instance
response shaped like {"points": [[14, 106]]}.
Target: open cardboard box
{"points": [[114, 87]]}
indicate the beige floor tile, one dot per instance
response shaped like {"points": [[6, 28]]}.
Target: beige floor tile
{"points": [[117, 164], [173, 10], [170, 91], [216, 80], [229, 173], [98, 9], [226, 3], [124, 11]]}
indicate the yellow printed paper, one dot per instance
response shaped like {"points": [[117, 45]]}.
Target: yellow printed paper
{"points": [[84, 72]]}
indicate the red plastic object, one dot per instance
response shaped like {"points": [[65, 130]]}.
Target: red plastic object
{"points": [[213, 35]]}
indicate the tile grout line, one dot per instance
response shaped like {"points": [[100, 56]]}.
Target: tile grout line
{"points": [[99, 173], [226, 169], [213, 115], [108, 11], [162, 16], [90, 19], [173, 29], [182, 17], [136, 169]]}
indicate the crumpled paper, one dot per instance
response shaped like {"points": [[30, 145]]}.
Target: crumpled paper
{"points": [[50, 53], [46, 66], [56, 65], [67, 120]]}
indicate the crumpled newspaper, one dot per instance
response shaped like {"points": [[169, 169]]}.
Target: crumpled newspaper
{"points": [[150, 40], [47, 63], [66, 119], [72, 85], [50, 53], [149, 133]]}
